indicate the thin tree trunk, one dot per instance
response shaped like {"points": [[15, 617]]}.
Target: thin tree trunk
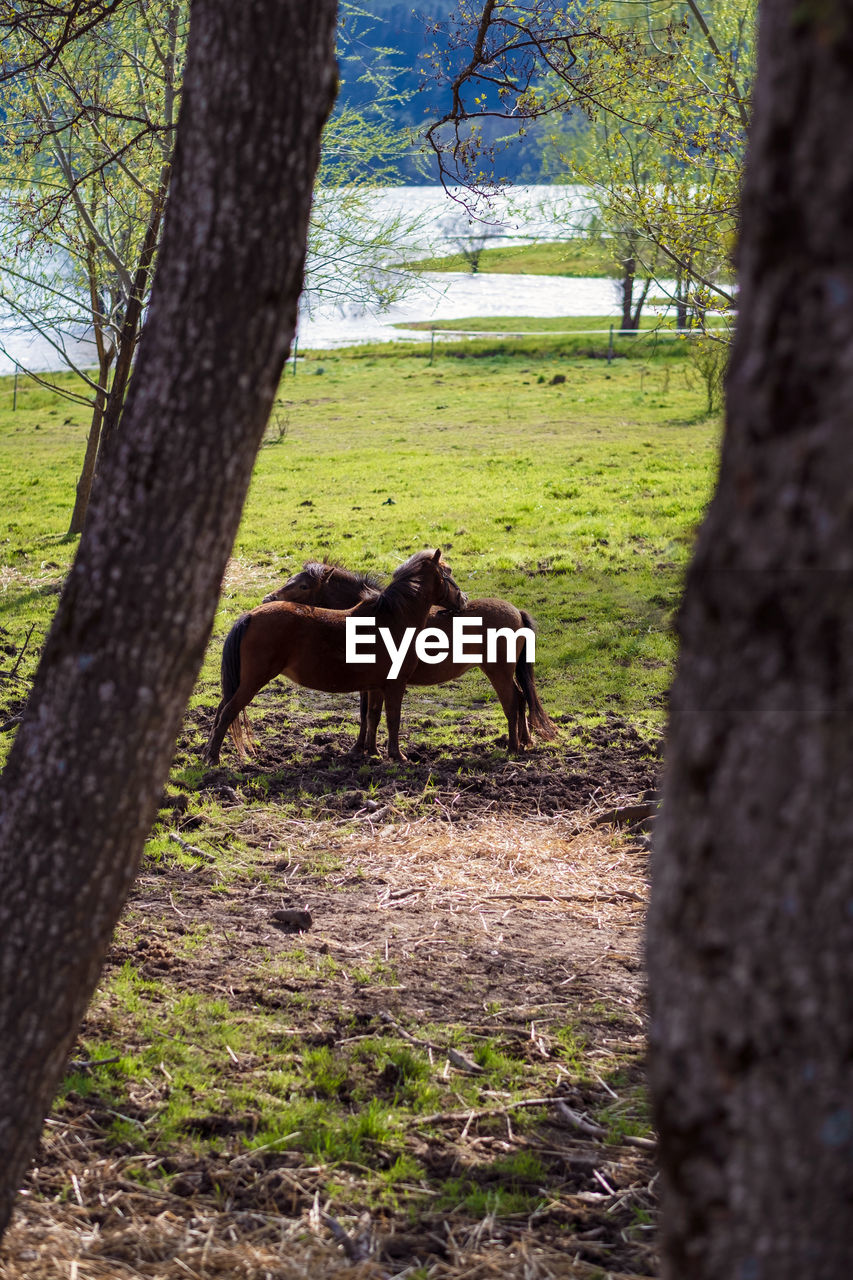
{"points": [[87, 475], [682, 314], [751, 926], [641, 302], [629, 267], [126, 345], [106, 353], [87, 767]]}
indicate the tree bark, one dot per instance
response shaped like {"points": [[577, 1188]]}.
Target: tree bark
{"points": [[106, 352], [129, 335], [750, 939], [87, 767], [682, 314], [640, 303], [93, 440], [629, 267]]}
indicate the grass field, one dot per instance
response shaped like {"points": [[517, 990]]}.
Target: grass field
{"points": [[396, 1086], [567, 485], [575, 257]]}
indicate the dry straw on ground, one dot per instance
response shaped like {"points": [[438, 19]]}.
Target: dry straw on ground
{"points": [[563, 863], [87, 1218], [52, 1242]]}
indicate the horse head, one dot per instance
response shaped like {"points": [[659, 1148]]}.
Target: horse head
{"points": [[426, 573], [306, 587], [450, 595]]}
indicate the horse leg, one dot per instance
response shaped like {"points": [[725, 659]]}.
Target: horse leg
{"points": [[357, 749], [393, 703], [525, 737], [532, 707], [502, 679], [226, 713], [214, 742], [373, 716], [255, 674]]}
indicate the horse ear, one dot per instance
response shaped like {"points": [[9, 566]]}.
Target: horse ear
{"points": [[437, 556], [328, 570]]}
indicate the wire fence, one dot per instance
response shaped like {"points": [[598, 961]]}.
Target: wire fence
{"points": [[612, 332]]}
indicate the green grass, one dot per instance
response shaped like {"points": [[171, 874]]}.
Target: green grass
{"points": [[553, 479], [584, 337], [171, 1070], [577, 499], [575, 257]]}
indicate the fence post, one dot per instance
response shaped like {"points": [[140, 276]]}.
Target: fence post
{"points": [[15, 391], [295, 349], [610, 346], [431, 343]]}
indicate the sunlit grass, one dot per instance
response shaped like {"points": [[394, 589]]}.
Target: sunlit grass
{"points": [[567, 485]]}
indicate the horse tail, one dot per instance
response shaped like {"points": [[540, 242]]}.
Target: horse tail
{"points": [[539, 718], [239, 727]]}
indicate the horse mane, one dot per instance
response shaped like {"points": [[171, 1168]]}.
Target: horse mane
{"points": [[317, 571], [406, 582]]}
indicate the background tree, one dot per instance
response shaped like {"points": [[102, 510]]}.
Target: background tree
{"points": [[87, 144], [48, 27], [84, 171], [664, 92], [88, 763], [664, 148], [750, 934], [354, 248]]}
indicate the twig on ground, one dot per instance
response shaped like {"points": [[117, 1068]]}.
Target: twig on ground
{"points": [[83, 1064], [23, 649], [191, 848], [576, 1121], [457, 1059], [439, 1117], [626, 813]]}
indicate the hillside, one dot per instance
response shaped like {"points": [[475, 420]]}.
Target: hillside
{"points": [[389, 47]]}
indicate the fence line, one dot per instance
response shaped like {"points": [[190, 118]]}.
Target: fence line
{"points": [[569, 333]]}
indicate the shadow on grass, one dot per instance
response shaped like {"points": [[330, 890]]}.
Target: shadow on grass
{"points": [[313, 773]]}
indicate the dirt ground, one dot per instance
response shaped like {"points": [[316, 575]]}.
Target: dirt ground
{"points": [[493, 902]]}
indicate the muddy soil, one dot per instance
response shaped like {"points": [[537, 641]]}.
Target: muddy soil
{"points": [[299, 757]]}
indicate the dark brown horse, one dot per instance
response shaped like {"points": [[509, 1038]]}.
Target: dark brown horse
{"points": [[308, 646], [511, 677], [328, 585]]}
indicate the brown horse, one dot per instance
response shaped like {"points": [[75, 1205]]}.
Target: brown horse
{"points": [[511, 677], [309, 647], [328, 585]]}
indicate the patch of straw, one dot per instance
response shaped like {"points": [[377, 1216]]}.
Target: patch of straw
{"points": [[562, 864]]}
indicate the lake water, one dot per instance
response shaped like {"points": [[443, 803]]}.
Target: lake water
{"points": [[434, 224], [457, 296]]}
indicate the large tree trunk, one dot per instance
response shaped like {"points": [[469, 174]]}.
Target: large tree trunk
{"points": [[87, 767], [751, 925]]}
